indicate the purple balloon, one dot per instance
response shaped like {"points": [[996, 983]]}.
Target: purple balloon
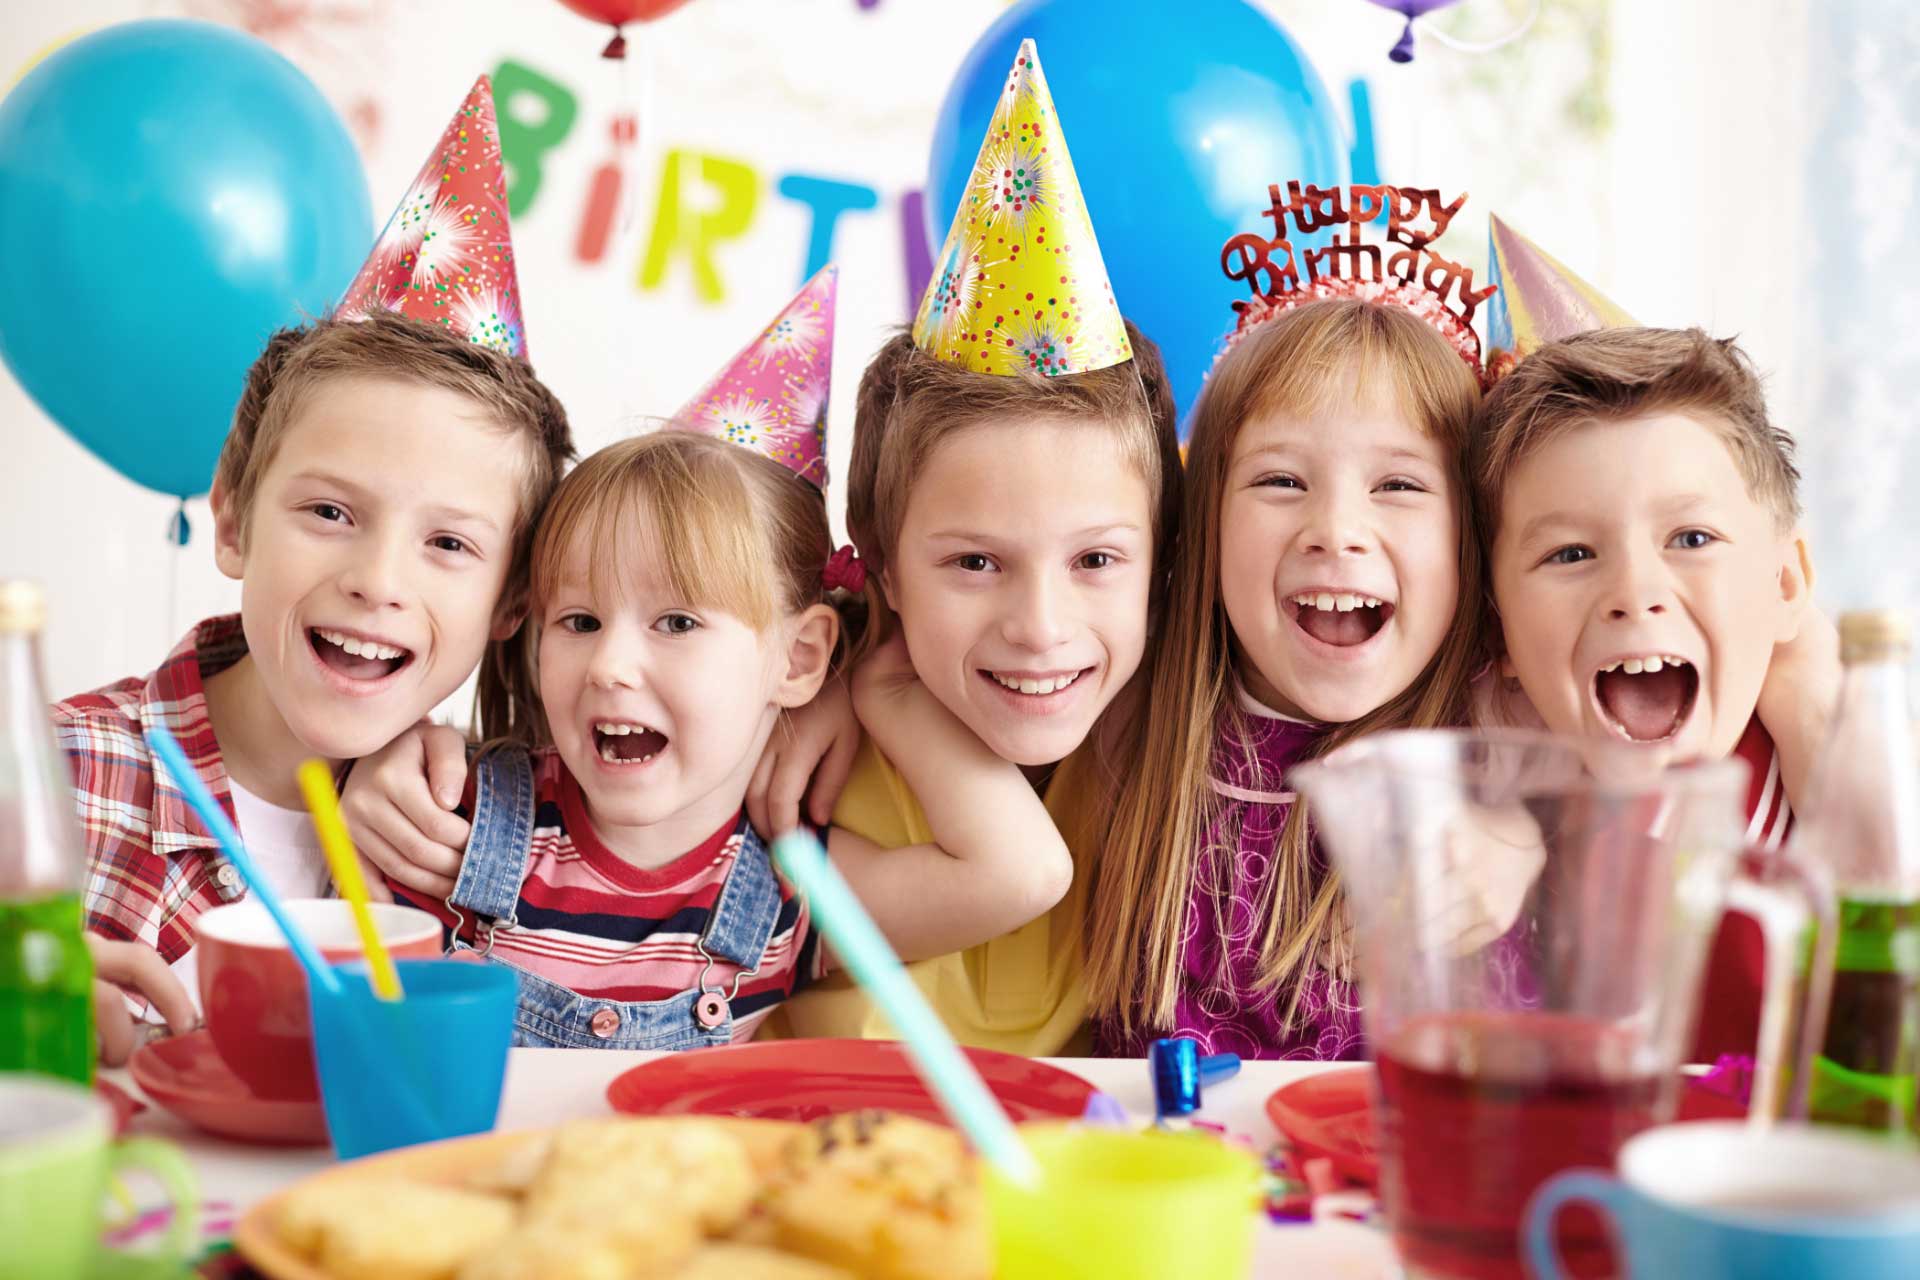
{"points": [[1403, 50]]}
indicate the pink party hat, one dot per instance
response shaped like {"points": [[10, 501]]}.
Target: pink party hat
{"points": [[772, 396], [1540, 301], [447, 252]]}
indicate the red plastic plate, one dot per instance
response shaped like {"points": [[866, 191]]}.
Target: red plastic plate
{"points": [[807, 1079]]}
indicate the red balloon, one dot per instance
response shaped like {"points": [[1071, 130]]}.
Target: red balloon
{"points": [[617, 12]]}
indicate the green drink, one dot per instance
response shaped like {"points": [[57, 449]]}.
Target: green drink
{"points": [[1865, 1074], [46, 989]]}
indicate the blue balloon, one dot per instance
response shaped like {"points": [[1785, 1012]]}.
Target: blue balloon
{"points": [[1177, 118], [170, 193]]}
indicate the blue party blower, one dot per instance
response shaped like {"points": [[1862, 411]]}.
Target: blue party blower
{"points": [[392, 1072]]}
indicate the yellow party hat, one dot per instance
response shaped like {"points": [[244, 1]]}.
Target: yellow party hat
{"points": [[1020, 284], [1540, 301]]}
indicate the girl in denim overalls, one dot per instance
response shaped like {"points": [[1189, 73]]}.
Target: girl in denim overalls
{"points": [[682, 597]]}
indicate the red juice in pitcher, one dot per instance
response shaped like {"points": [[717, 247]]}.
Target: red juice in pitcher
{"points": [[1479, 1109]]}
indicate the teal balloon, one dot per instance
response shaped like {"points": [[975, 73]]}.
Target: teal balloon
{"points": [[1177, 117], [171, 193]]}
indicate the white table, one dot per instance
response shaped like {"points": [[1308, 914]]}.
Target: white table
{"points": [[548, 1086]]}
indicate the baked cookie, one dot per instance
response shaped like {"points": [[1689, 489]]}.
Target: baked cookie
{"points": [[884, 1196], [391, 1230]]}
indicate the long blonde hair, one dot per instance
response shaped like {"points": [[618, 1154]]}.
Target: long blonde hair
{"points": [[1150, 853]]}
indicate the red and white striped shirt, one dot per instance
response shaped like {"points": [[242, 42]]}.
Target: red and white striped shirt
{"points": [[603, 928]]}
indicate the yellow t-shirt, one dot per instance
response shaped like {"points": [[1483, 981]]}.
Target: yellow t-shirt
{"points": [[1019, 993]]}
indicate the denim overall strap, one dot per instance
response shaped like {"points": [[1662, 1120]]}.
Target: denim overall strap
{"points": [[748, 908], [744, 919], [500, 843]]}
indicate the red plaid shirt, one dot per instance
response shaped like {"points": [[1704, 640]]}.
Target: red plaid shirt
{"points": [[152, 866]]}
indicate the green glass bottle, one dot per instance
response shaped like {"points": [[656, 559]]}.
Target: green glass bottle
{"points": [[46, 971], [1863, 825]]}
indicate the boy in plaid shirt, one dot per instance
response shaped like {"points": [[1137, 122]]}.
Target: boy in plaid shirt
{"points": [[374, 499]]}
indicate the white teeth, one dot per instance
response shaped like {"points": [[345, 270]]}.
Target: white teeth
{"points": [[611, 729], [357, 647], [1342, 602], [1647, 666], [1027, 685]]}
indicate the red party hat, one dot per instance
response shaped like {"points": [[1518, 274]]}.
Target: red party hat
{"points": [[447, 252]]}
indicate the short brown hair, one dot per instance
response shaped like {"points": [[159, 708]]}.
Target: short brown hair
{"points": [[387, 344], [1609, 375], [730, 528], [910, 402]]}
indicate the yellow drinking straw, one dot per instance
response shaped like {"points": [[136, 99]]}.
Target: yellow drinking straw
{"points": [[316, 780]]}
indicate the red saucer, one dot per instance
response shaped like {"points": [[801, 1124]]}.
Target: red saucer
{"points": [[807, 1079], [1330, 1115], [185, 1075]]}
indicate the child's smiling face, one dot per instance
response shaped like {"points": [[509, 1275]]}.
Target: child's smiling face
{"points": [[374, 557], [1339, 558], [1021, 579], [1641, 585], [659, 705]]}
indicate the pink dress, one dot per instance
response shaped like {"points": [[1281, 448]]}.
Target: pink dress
{"points": [[1219, 1003]]}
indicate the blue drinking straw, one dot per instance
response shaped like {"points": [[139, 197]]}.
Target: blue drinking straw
{"points": [[203, 803], [858, 944]]}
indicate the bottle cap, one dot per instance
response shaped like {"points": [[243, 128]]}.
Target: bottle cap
{"points": [[23, 605], [1868, 634]]}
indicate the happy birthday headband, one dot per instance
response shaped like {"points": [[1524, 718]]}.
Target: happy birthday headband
{"points": [[1406, 271]]}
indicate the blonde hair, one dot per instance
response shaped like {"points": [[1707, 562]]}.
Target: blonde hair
{"points": [[910, 403], [729, 529], [1309, 358], [386, 344], [1608, 375]]}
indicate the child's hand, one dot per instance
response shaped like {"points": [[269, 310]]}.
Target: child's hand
{"points": [[1799, 696], [399, 806], [1494, 856], [123, 968], [810, 754]]}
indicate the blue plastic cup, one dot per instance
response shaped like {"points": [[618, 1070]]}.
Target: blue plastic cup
{"points": [[427, 1067]]}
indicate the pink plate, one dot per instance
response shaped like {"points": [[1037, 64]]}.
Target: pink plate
{"points": [[807, 1079], [186, 1076]]}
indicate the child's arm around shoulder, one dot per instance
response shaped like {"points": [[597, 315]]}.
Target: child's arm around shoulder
{"points": [[1798, 700], [998, 861], [399, 804]]}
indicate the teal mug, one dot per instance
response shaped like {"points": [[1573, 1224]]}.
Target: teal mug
{"points": [[57, 1153], [1720, 1200]]}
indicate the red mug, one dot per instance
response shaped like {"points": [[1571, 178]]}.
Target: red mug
{"points": [[254, 993]]}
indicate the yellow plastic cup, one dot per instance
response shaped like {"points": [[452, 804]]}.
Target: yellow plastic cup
{"points": [[1113, 1205]]}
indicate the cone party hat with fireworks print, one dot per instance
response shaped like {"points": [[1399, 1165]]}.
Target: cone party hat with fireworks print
{"points": [[446, 254], [772, 396], [1020, 283], [1539, 301]]}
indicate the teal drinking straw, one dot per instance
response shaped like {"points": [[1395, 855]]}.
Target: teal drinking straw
{"points": [[858, 944], [187, 778]]}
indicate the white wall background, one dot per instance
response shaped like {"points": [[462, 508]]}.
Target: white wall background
{"points": [[1657, 147]]}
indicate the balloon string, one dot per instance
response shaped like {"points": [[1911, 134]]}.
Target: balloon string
{"points": [[177, 535], [634, 106], [1485, 46]]}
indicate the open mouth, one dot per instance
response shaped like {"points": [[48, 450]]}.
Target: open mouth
{"points": [[1035, 685], [1646, 699], [356, 657], [620, 742], [1342, 619]]}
